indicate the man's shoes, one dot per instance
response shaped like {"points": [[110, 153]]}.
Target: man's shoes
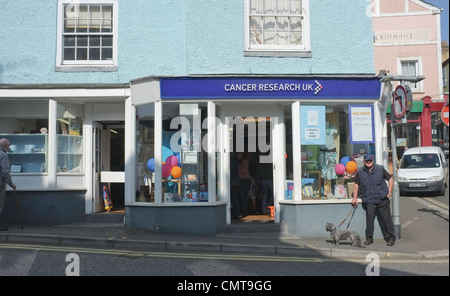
{"points": [[368, 241], [391, 242], [3, 228]]}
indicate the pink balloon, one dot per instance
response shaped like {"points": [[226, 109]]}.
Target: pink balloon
{"points": [[339, 169], [166, 169], [172, 161]]}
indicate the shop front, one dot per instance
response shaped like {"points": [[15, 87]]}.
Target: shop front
{"points": [[303, 138], [62, 140], [424, 126]]}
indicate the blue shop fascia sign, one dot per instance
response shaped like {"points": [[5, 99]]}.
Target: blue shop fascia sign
{"points": [[269, 88]]}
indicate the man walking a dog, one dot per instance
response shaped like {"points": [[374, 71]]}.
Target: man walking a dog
{"points": [[376, 194], [5, 177]]}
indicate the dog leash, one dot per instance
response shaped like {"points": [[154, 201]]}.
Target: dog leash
{"points": [[353, 209]]}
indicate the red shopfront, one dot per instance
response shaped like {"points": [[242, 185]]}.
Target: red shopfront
{"points": [[418, 131]]}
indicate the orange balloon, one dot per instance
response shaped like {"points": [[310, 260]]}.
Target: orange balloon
{"points": [[176, 172], [351, 167]]}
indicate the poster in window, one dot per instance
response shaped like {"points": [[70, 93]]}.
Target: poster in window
{"points": [[312, 125], [361, 124]]}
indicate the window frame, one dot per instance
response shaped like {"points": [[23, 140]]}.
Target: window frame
{"points": [[415, 87], [279, 50], [86, 65]]}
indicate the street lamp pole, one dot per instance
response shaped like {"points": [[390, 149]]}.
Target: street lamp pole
{"points": [[403, 120], [396, 189]]}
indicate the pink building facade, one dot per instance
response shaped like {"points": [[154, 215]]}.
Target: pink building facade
{"points": [[407, 42]]}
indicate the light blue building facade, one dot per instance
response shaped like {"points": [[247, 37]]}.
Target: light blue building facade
{"points": [[155, 99]]}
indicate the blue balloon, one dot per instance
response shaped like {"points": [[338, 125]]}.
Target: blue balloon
{"points": [[344, 160], [151, 164]]}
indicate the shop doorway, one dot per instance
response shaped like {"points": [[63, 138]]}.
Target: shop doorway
{"points": [[251, 199], [255, 129], [109, 165]]}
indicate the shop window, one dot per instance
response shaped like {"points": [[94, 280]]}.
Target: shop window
{"points": [[87, 33], [277, 25], [408, 135], [25, 125], [185, 162], [145, 136], [69, 130], [329, 157]]}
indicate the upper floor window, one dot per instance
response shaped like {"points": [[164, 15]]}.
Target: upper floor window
{"points": [[87, 33], [411, 66], [277, 25]]}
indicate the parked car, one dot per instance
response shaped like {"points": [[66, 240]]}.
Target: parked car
{"points": [[423, 169]]}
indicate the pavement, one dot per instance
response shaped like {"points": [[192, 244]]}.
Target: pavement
{"points": [[415, 242], [424, 233]]}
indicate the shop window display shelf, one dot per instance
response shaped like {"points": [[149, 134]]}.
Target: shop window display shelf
{"points": [[28, 152]]}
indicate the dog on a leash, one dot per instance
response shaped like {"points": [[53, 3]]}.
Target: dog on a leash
{"points": [[339, 235]]}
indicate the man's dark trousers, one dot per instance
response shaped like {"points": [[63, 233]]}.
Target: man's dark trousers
{"points": [[383, 211]]}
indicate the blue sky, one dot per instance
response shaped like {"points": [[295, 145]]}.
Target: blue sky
{"points": [[444, 16]]}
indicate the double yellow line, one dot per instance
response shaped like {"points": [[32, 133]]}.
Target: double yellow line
{"points": [[437, 203], [207, 256], [139, 254]]}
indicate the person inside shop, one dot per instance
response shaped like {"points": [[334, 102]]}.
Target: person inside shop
{"points": [[244, 184], [266, 186], [253, 168], [375, 194], [5, 176]]}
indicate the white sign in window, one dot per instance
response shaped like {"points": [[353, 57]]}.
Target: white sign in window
{"points": [[361, 124]]}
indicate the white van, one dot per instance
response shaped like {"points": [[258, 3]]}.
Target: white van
{"points": [[423, 169]]}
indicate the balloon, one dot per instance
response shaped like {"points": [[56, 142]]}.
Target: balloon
{"points": [[351, 167], [339, 169], [166, 170], [176, 172], [178, 156], [345, 160], [172, 161], [151, 164]]}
